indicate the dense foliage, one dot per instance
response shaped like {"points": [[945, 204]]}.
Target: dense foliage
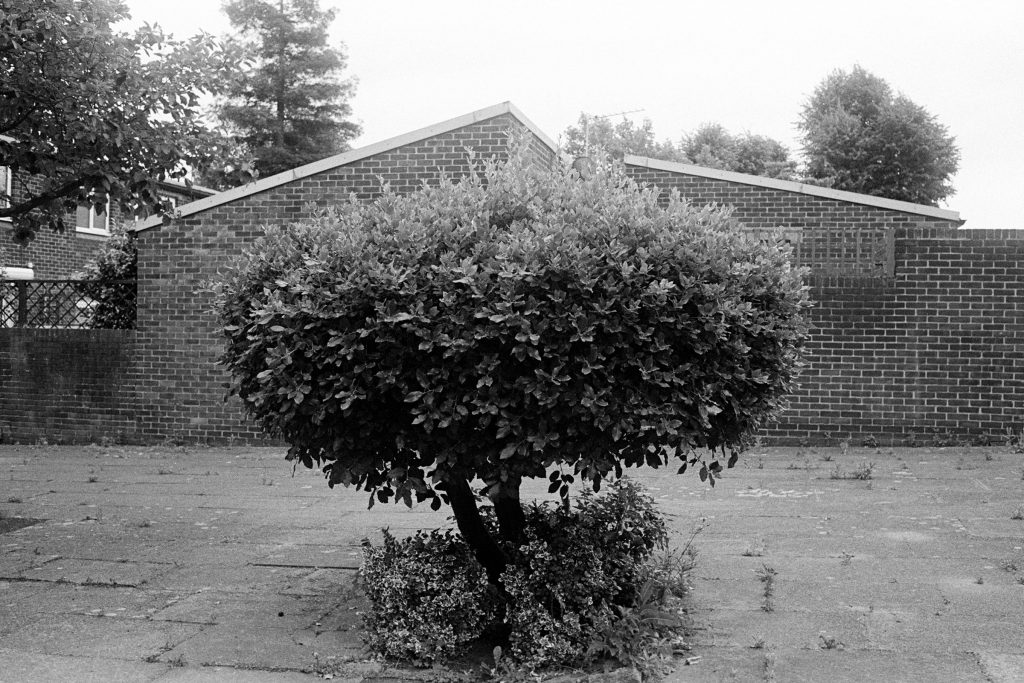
{"points": [[92, 114], [860, 136], [519, 323], [601, 135], [288, 104], [110, 280], [429, 596], [711, 145], [584, 586]]}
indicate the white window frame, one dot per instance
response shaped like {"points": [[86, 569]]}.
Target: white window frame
{"points": [[91, 228], [7, 191]]}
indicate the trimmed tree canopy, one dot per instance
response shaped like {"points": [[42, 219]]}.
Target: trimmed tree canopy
{"points": [[519, 323]]}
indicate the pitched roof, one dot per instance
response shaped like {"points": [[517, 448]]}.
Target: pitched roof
{"points": [[349, 157], [791, 186]]}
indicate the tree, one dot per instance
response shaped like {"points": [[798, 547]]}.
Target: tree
{"points": [[110, 279], [710, 145], [599, 135], [859, 136], [90, 114], [290, 106], [521, 323], [713, 146]]}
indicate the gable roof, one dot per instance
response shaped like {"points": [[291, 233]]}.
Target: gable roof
{"points": [[349, 157], [791, 186]]}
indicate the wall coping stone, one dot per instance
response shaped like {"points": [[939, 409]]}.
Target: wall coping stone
{"points": [[792, 186]]}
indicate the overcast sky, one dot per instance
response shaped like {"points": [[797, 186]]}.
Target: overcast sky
{"points": [[746, 65]]}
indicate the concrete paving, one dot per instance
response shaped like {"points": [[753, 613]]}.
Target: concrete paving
{"points": [[216, 564]]}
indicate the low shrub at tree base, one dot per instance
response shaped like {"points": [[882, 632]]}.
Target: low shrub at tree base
{"points": [[584, 585], [429, 596]]}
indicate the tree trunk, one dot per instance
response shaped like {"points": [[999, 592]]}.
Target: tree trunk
{"points": [[509, 510], [487, 551]]}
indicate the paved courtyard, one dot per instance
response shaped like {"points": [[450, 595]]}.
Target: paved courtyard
{"points": [[216, 564]]}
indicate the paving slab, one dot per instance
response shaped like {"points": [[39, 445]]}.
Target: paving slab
{"points": [[217, 564], [98, 636], [18, 665]]}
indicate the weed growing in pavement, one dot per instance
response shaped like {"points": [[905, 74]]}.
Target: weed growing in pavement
{"points": [[1009, 565], [93, 479], [768, 667], [846, 557], [827, 457], [755, 549], [766, 575], [864, 472], [1018, 514], [1015, 439], [1020, 580], [14, 499], [758, 644], [979, 581], [830, 643]]}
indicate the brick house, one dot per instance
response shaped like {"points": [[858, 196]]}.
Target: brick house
{"points": [[52, 255], [916, 328]]}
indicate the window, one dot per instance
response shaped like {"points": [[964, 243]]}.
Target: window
{"points": [[89, 222], [5, 189]]}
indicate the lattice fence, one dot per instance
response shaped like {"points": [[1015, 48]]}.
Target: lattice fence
{"points": [[67, 303]]}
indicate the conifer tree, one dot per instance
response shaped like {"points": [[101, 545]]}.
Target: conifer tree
{"points": [[289, 105]]}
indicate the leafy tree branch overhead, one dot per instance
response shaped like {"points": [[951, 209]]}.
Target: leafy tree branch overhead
{"points": [[91, 113]]}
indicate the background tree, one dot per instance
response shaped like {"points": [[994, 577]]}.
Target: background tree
{"points": [[289, 106], [713, 146], [520, 323], [616, 139], [710, 145], [94, 114], [859, 136]]}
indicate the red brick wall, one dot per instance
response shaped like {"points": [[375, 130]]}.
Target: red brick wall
{"points": [[65, 385]]}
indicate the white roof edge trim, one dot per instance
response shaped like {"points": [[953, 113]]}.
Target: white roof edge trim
{"points": [[349, 157], [792, 186]]}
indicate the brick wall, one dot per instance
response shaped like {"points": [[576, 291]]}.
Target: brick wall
{"points": [[181, 387], [65, 385], [936, 352], [61, 255], [917, 329]]}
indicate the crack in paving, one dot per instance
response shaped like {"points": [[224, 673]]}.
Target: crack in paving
{"points": [[68, 582]]}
